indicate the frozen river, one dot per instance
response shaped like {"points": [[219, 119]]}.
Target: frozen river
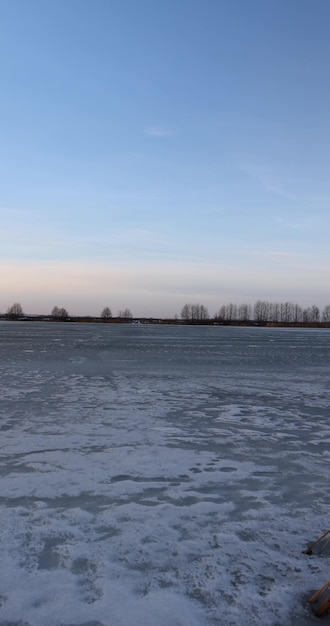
{"points": [[162, 476]]}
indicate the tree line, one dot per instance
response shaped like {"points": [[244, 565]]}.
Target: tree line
{"points": [[262, 312], [15, 311]]}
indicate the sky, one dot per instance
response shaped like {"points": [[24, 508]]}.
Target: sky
{"points": [[158, 152]]}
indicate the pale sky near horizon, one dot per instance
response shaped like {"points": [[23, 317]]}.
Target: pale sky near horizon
{"points": [[158, 152]]}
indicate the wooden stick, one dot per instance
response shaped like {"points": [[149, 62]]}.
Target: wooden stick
{"points": [[325, 545], [319, 593], [309, 550], [323, 609]]}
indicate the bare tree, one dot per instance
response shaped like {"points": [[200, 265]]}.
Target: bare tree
{"points": [[185, 312], [298, 313], [15, 311], [194, 312], [234, 312], [60, 313], [326, 314], [106, 313], [283, 312], [244, 312], [275, 311], [204, 314], [311, 315], [261, 311], [307, 315], [315, 314], [221, 315], [125, 314]]}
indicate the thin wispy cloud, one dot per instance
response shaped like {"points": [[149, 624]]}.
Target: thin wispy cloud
{"points": [[279, 254], [158, 131], [267, 178], [304, 222]]}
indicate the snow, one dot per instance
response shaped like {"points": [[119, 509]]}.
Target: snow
{"points": [[169, 476]]}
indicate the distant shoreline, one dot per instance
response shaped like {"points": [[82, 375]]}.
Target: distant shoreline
{"points": [[85, 319]]}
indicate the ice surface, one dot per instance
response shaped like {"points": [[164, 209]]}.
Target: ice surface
{"points": [[162, 476]]}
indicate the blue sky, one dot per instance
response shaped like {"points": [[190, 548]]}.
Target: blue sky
{"points": [[157, 152]]}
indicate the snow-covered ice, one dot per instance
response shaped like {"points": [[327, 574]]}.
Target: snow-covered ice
{"points": [[162, 475]]}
